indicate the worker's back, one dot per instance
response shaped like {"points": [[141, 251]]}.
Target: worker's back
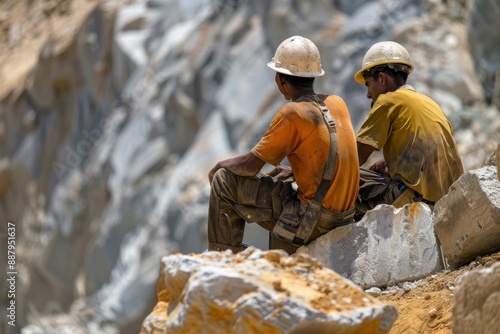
{"points": [[417, 142]]}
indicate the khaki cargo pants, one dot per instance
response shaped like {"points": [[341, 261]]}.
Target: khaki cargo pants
{"points": [[236, 200]]}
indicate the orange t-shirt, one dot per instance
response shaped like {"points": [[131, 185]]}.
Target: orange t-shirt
{"points": [[299, 133]]}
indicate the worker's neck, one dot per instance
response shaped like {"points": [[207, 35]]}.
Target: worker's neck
{"points": [[392, 86], [297, 93]]}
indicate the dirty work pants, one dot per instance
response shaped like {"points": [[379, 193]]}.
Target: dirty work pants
{"points": [[235, 200], [379, 188]]}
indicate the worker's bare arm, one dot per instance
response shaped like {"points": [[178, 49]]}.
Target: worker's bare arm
{"points": [[244, 165], [364, 152]]}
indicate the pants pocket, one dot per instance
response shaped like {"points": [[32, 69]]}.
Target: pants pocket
{"points": [[325, 225], [252, 190], [253, 214], [329, 220]]}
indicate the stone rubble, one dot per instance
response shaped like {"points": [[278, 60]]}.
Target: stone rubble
{"points": [[260, 291]]}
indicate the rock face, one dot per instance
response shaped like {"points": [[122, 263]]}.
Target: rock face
{"points": [[482, 27], [256, 291], [468, 217], [107, 136], [386, 247], [477, 301]]}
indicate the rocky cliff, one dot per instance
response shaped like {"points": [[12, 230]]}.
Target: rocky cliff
{"points": [[112, 112]]}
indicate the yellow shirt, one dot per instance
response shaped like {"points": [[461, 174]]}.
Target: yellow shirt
{"points": [[298, 132], [417, 141]]}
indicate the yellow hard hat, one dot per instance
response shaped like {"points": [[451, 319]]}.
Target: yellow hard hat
{"points": [[297, 56], [382, 53]]}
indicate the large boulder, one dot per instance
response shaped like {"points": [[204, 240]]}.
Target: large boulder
{"points": [[468, 217], [476, 302], [260, 291], [386, 247]]}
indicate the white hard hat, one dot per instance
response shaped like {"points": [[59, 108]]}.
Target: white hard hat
{"points": [[382, 53], [297, 56]]}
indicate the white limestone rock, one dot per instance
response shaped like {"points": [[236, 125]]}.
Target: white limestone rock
{"points": [[477, 301], [386, 247], [468, 218], [131, 30], [494, 160], [256, 291]]}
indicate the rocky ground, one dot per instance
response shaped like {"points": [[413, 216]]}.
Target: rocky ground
{"points": [[426, 306]]}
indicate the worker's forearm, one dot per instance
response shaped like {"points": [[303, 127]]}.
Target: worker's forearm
{"points": [[241, 169], [364, 152], [243, 165]]}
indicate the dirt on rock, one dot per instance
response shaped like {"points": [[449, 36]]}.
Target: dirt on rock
{"points": [[426, 305]]}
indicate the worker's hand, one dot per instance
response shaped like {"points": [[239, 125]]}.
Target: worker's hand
{"points": [[380, 166], [281, 172]]}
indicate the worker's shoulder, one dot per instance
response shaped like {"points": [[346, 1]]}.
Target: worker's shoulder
{"points": [[291, 107], [400, 97], [331, 97], [304, 104], [335, 101], [405, 94]]}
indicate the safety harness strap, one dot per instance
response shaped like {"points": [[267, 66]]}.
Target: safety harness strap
{"points": [[310, 219], [330, 167]]}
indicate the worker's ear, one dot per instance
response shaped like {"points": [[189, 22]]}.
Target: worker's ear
{"points": [[382, 77], [281, 79]]}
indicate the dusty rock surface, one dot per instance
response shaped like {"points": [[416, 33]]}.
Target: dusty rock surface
{"points": [[425, 306], [255, 291], [468, 217], [386, 247]]}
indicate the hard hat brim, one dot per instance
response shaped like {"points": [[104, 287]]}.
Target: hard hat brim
{"points": [[359, 75], [272, 66]]}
